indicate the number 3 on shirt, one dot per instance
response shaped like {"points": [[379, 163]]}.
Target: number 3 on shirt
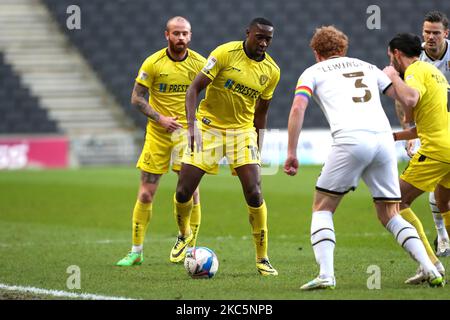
{"points": [[359, 84]]}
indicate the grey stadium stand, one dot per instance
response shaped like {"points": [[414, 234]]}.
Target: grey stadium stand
{"points": [[20, 111], [117, 35]]}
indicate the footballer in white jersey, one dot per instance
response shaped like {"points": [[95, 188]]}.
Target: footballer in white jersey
{"points": [[347, 90], [443, 63]]}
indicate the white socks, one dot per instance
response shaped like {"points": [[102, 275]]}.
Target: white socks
{"points": [[438, 220], [407, 236], [323, 241]]}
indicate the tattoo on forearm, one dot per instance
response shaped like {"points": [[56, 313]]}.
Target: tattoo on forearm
{"points": [[148, 111], [139, 99]]}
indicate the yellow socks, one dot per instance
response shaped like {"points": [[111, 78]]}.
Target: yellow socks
{"points": [[409, 216], [194, 222], [258, 221], [141, 216], [182, 215]]}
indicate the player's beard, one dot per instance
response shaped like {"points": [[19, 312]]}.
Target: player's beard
{"points": [[397, 67], [178, 47]]}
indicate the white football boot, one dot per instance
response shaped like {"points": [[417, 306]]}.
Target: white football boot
{"points": [[320, 283]]}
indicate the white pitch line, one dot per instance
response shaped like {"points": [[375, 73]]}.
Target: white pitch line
{"points": [[59, 293]]}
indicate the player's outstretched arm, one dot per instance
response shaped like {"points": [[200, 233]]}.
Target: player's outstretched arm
{"points": [[407, 134], [295, 126], [138, 99], [200, 83]]}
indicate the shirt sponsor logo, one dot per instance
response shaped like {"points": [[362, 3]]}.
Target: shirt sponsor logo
{"points": [[242, 89], [162, 87], [439, 79], [178, 88], [170, 88]]}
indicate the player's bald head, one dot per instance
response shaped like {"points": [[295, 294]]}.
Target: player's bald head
{"points": [[177, 21]]}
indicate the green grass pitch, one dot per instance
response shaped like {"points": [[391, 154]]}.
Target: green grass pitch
{"points": [[52, 219]]}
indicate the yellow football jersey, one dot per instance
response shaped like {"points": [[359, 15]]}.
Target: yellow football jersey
{"points": [[431, 114], [237, 82], [167, 81]]}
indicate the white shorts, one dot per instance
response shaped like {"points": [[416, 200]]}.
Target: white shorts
{"points": [[371, 157]]}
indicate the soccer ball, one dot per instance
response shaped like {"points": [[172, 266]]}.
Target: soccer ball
{"points": [[201, 262]]}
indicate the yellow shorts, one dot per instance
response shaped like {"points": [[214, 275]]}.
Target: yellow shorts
{"points": [[240, 147], [425, 173], [160, 148]]}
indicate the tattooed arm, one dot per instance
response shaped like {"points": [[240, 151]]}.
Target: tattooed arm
{"points": [[138, 99]]}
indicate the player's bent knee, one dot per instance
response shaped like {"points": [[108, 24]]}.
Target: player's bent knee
{"points": [[146, 197], [183, 194], [254, 198]]}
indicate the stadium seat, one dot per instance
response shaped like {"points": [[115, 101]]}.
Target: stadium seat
{"points": [[20, 111]]}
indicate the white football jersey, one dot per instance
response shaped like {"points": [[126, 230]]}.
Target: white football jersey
{"points": [[442, 64], [347, 91]]}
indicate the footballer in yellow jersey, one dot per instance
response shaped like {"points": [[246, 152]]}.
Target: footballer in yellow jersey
{"points": [[165, 77], [237, 83], [240, 78], [430, 112], [424, 99], [167, 81], [436, 50]]}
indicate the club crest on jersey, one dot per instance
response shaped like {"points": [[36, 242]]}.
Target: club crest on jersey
{"points": [[209, 64], [263, 79]]}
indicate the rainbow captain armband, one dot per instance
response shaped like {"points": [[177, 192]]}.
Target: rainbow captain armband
{"points": [[303, 91]]}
